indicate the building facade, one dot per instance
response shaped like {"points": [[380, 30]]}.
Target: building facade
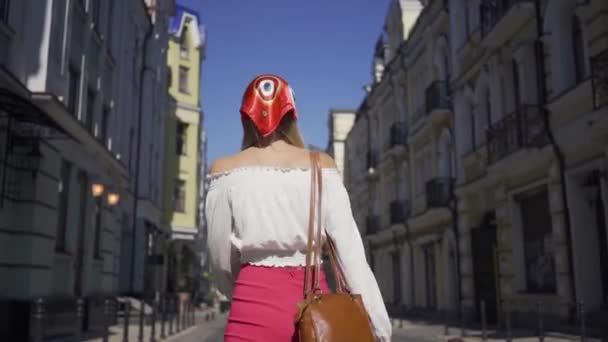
{"points": [[340, 123], [69, 84], [183, 150], [496, 196]]}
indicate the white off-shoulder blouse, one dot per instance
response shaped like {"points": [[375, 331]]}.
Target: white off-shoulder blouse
{"points": [[259, 215]]}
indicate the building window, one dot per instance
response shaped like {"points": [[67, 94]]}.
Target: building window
{"points": [[516, 86], [97, 242], [109, 26], [5, 6], [182, 139], [429, 266], [179, 201], [538, 242], [103, 133], [183, 43], [183, 79], [62, 206], [57, 29], [578, 48], [73, 91], [95, 13], [396, 278], [90, 110]]}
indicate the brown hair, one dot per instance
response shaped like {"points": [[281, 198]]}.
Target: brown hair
{"points": [[288, 131]]}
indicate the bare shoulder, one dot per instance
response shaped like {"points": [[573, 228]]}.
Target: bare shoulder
{"points": [[222, 164], [326, 160]]}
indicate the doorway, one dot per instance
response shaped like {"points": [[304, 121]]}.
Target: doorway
{"points": [[483, 242]]}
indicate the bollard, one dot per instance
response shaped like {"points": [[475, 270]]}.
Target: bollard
{"points": [[483, 320], [508, 321], [541, 328], [170, 313], [153, 326], [126, 318], [142, 308], [79, 318], [178, 317], [106, 317], [446, 318], [463, 331], [163, 315], [581, 316], [39, 319]]}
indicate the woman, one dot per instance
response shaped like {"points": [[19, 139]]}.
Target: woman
{"points": [[257, 218]]}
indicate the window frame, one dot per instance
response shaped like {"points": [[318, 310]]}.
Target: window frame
{"points": [[5, 10], [179, 196], [183, 79], [63, 203]]}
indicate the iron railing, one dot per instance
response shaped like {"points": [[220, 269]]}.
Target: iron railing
{"points": [[492, 11], [437, 96], [439, 192], [399, 211], [522, 128], [372, 224], [397, 135], [599, 79]]}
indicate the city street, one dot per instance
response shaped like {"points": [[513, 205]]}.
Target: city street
{"points": [[410, 331]]}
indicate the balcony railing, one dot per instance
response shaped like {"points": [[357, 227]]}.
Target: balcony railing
{"points": [[437, 96], [523, 128], [599, 77], [372, 224], [397, 135], [399, 211], [492, 11], [439, 192]]}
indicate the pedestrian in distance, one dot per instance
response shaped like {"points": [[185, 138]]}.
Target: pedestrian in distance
{"points": [[257, 212]]}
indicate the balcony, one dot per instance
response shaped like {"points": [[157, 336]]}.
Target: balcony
{"points": [[501, 19], [397, 135], [439, 192], [437, 97], [521, 129], [599, 79], [372, 224], [399, 211]]}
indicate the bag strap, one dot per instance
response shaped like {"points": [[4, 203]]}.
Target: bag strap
{"points": [[316, 189]]}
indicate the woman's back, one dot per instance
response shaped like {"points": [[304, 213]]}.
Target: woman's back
{"points": [[268, 196], [257, 209]]}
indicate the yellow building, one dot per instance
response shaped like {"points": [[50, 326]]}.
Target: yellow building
{"points": [[182, 158]]}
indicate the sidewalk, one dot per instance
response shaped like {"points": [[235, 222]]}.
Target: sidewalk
{"points": [[432, 331], [117, 332]]}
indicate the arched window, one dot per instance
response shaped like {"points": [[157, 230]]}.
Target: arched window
{"points": [[183, 42], [578, 49]]}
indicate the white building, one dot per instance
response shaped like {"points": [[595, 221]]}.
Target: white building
{"points": [[505, 165], [69, 81], [340, 122]]}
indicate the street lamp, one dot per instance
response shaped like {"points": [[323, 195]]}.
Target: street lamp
{"points": [[97, 189], [113, 198]]}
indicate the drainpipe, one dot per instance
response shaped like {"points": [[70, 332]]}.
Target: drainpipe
{"points": [[559, 155], [455, 229], [142, 72]]}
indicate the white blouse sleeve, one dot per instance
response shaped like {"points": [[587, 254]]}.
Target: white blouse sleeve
{"points": [[341, 227], [224, 256]]}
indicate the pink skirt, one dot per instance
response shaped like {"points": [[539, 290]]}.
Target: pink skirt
{"points": [[264, 303]]}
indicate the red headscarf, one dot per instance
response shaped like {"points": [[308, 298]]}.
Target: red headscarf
{"points": [[267, 99]]}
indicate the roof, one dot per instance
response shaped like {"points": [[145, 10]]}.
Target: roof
{"points": [[176, 25]]}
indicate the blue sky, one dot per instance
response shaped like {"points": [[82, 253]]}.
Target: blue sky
{"points": [[323, 48]]}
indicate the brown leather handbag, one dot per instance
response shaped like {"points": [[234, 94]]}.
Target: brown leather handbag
{"points": [[327, 317]]}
